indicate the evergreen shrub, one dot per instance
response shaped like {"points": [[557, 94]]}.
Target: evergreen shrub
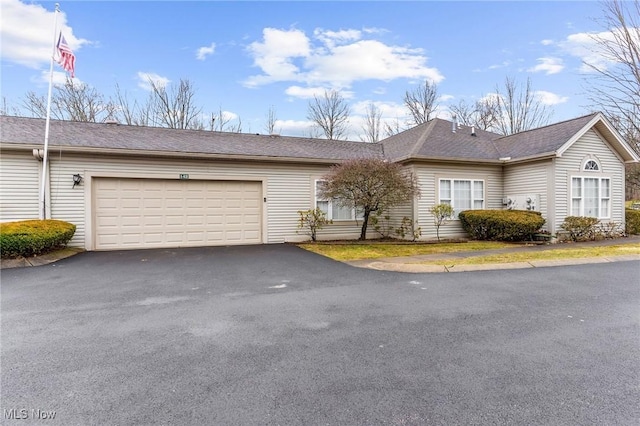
{"points": [[501, 225], [33, 237]]}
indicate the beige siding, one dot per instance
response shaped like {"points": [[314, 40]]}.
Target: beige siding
{"points": [[286, 187], [530, 179], [19, 186], [428, 176], [590, 145]]}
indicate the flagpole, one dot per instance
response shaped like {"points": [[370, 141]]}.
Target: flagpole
{"points": [[43, 192]]}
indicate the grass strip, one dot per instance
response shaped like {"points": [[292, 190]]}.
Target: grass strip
{"points": [[357, 251], [553, 254]]}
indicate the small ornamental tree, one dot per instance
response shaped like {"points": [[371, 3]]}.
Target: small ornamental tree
{"points": [[441, 214], [369, 185], [312, 221]]}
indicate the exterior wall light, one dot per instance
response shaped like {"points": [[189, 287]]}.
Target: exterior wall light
{"points": [[76, 179]]}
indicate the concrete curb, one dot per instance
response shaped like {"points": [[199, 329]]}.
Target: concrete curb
{"points": [[44, 259], [418, 268]]}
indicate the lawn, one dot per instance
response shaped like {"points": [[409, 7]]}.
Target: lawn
{"points": [[357, 250], [553, 254]]}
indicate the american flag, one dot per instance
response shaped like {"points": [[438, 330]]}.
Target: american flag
{"points": [[67, 59]]}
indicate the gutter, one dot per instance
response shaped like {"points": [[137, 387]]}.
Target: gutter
{"points": [[172, 154]]}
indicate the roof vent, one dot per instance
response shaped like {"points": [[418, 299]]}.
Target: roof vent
{"points": [[473, 131], [111, 121], [454, 124]]}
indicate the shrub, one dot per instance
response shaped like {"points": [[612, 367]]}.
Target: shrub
{"points": [[580, 227], [632, 219], [381, 222], [312, 221], [501, 225], [408, 228], [441, 214], [33, 237]]}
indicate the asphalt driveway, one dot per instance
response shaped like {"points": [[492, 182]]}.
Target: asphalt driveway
{"points": [[275, 335]]}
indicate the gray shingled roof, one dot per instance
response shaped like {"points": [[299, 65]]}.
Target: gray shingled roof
{"points": [[432, 140], [436, 139], [30, 131], [543, 140]]}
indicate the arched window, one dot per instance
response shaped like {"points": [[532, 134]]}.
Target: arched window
{"points": [[591, 165]]}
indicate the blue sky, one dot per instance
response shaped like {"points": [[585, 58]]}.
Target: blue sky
{"points": [[245, 57]]}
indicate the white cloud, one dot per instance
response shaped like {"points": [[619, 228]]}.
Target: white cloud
{"points": [[333, 38], [549, 98], [334, 58], [548, 65], [586, 47], [145, 77], [275, 55], [26, 31], [311, 92], [293, 127], [58, 78], [203, 52], [546, 42], [304, 92]]}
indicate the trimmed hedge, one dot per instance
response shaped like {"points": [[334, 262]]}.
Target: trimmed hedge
{"points": [[632, 219], [501, 225], [580, 227], [33, 237]]}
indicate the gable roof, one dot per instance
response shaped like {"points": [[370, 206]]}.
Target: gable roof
{"points": [[434, 140], [437, 140], [115, 138]]}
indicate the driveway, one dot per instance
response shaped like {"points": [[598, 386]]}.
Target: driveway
{"points": [[274, 335]]}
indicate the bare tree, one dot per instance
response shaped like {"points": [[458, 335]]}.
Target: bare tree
{"points": [[421, 102], [369, 185], [5, 109], [221, 122], [618, 91], [270, 125], [517, 108], [71, 101], [330, 113], [175, 109], [483, 114], [393, 127], [372, 123], [133, 114]]}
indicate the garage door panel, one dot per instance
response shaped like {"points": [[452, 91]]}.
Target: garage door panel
{"points": [[142, 213]]}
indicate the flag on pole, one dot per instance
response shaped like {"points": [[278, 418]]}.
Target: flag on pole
{"points": [[67, 59]]}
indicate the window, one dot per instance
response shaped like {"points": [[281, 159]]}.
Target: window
{"points": [[591, 165], [462, 194], [590, 196], [332, 209]]}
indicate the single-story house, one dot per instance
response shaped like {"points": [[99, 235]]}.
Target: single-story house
{"points": [[145, 187]]}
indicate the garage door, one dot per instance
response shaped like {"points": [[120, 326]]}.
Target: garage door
{"points": [[154, 213]]}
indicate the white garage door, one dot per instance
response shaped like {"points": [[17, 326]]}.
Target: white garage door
{"points": [[154, 213]]}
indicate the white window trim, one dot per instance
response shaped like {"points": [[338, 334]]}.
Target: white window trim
{"points": [[473, 200], [330, 205], [581, 211]]}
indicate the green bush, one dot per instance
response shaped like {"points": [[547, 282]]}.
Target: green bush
{"points": [[501, 225], [632, 219], [32, 237], [312, 221], [580, 227]]}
